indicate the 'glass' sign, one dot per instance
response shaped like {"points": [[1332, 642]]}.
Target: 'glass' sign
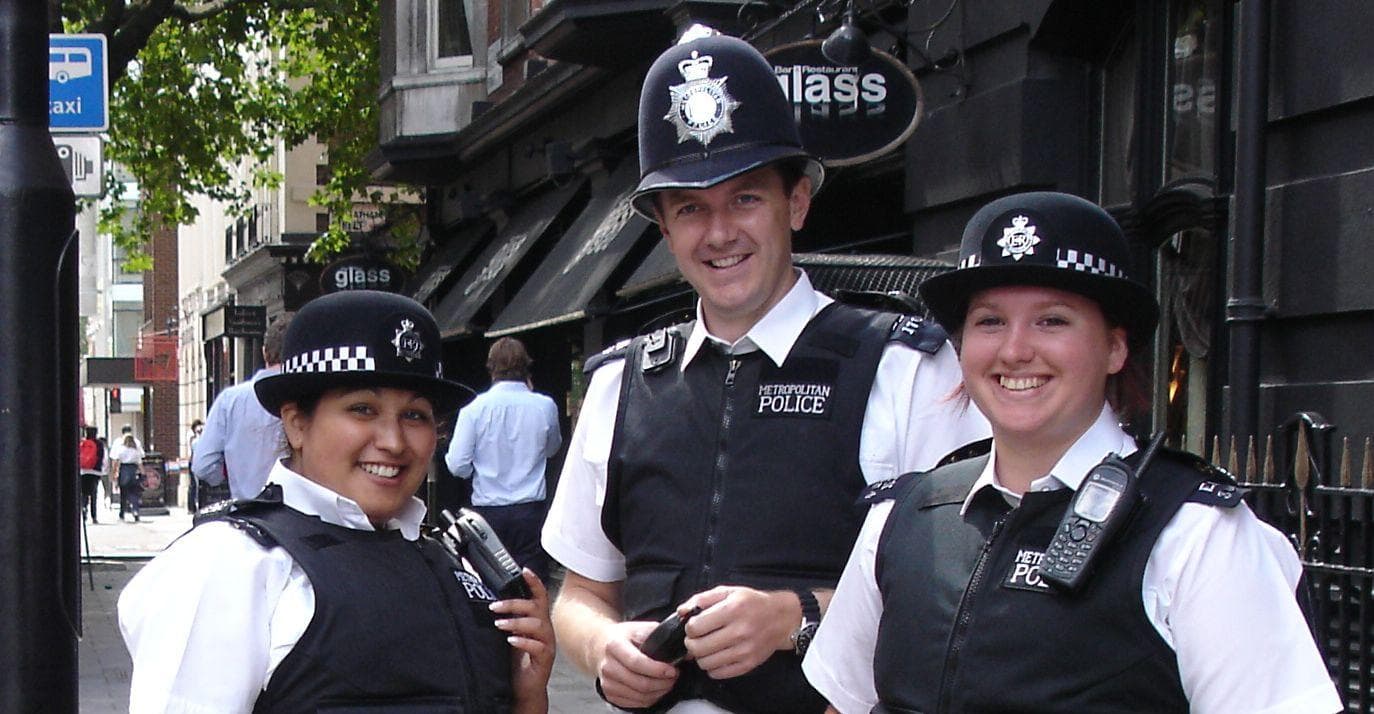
{"points": [[848, 114]]}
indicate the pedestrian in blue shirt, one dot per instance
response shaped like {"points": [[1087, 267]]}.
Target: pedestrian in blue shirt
{"points": [[502, 442], [241, 440]]}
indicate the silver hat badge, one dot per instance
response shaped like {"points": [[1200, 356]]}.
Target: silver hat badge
{"points": [[701, 107], [1018, 240]]}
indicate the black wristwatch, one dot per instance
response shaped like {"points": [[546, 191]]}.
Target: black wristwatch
{"points": [[811, 619]]}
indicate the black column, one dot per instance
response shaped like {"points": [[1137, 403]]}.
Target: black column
{"points": [[37, 392]]}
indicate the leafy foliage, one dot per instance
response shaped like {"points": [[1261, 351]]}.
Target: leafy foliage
{"points": [[203, 92]]}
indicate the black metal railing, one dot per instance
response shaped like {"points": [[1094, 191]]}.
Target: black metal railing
{"points": [[1321, 494]]}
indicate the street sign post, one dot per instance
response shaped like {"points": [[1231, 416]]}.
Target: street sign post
{"points": [[78, 84]]}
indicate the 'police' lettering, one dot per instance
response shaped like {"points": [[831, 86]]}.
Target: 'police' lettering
{"points": [[812, 400], [1025, 571], [473, 587]]}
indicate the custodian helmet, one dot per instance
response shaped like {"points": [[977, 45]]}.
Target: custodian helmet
{"points": [[712, 109]]}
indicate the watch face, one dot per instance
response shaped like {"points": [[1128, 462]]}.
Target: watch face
{"points": [[804, 636]]}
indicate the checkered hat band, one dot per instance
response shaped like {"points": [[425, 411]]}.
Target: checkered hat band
{"points": [[971, 261], [331, 359], [1086, 263]]}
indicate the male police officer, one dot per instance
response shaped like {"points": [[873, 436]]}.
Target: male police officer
{"points": [[716, 464]]}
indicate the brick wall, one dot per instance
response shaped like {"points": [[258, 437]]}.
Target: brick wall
{"points": [[160, 305]]}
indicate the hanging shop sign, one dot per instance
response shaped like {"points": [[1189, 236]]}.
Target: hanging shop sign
{"points": [[361, 273], [848, 114]]}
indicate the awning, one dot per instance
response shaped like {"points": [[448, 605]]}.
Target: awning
{"points": [[887, 282], [566, 283], [440, 266], [657, 270], [455, 312], [877, 280]]}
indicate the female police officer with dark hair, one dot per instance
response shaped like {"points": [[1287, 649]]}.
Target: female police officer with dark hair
{"points": [[321, 594], [950, 603]]}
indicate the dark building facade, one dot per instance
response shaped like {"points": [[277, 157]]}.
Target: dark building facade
{"points": [[1231, 139]]}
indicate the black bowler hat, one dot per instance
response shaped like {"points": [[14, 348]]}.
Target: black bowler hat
{"points": [[712, 109], [1048, 239], [360, 338]]}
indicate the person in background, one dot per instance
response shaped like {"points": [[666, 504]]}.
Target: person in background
{"points": [[502, 442], [242, 440], [193, 491], [92, 455], [321, 594], [947, 604], [715, 465], [128, 454]]}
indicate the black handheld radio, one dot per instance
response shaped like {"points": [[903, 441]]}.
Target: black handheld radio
{"points": [[668, 641], [1099, 509], [472, 538]]}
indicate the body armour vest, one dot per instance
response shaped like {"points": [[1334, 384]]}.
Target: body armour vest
{"points": [[736, 471], [968, 625], [398, 625]]}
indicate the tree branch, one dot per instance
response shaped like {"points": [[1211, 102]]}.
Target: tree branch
{"points": [[207, 10]]}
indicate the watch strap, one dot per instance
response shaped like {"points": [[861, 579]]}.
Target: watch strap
{"points": [[811, 619]]}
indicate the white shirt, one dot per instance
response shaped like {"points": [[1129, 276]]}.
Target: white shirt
{"points": [[501, 442], [1218, 587], [209, 619], [912, 420], [240, 438]]}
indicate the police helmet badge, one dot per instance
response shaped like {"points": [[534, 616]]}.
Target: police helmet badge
{"points": [[701, 107], [1019, 239], [409, 344]]}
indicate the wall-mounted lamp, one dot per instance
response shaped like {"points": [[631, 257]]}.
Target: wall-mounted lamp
{"points": [[847, 45]]}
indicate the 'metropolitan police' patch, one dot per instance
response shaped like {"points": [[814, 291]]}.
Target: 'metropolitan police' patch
{"points": [[701, 107]]}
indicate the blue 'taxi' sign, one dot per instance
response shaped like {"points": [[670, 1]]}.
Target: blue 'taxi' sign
{"points": [[78, 83]]}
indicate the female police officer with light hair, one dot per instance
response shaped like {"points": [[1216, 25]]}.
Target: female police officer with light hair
{"points": [[947, 603], [321, 594]]}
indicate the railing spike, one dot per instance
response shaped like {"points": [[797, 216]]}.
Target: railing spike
{"points": [[1302, 467], [1268, 475], [1215, 456], [1367, 474], [1232, 464], [1346, 477], [1250, 466]]}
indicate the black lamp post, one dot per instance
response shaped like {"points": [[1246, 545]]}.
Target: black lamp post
{"points": [[38, 522]]}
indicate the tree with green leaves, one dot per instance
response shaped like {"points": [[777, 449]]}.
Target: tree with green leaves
{"points": [[199, 87]]}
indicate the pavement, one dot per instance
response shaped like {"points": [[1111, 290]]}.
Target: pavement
{"points": [[117, 550]]}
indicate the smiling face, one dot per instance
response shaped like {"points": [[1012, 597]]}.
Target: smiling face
{"points": [[733, 243], [1036, 361], [370, 445]]}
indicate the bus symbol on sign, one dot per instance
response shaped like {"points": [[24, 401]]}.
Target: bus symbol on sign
{"points": [[78, 84], [68, 63]]}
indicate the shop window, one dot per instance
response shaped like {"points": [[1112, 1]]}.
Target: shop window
{"points": [[1193, 68], [451, 33], [1119, 81]]}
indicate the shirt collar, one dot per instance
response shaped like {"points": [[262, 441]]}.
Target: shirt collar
{"points": [[312, 499], [265, 372], [1103, 437], [774, 333], [508, 385]]}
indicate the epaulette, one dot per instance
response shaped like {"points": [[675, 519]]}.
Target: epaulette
{"points": [[232, 512], [885, 490], [614, 352], [919, 334], [1218, 487], [967, 451]]}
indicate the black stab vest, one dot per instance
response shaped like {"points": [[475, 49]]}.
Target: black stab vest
{"points": [[398, 626], [967, 626], [748, 483]]}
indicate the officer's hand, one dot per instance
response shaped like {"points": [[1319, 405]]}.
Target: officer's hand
{"points": [[530, 628], [628, 677], [738, 628]]}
